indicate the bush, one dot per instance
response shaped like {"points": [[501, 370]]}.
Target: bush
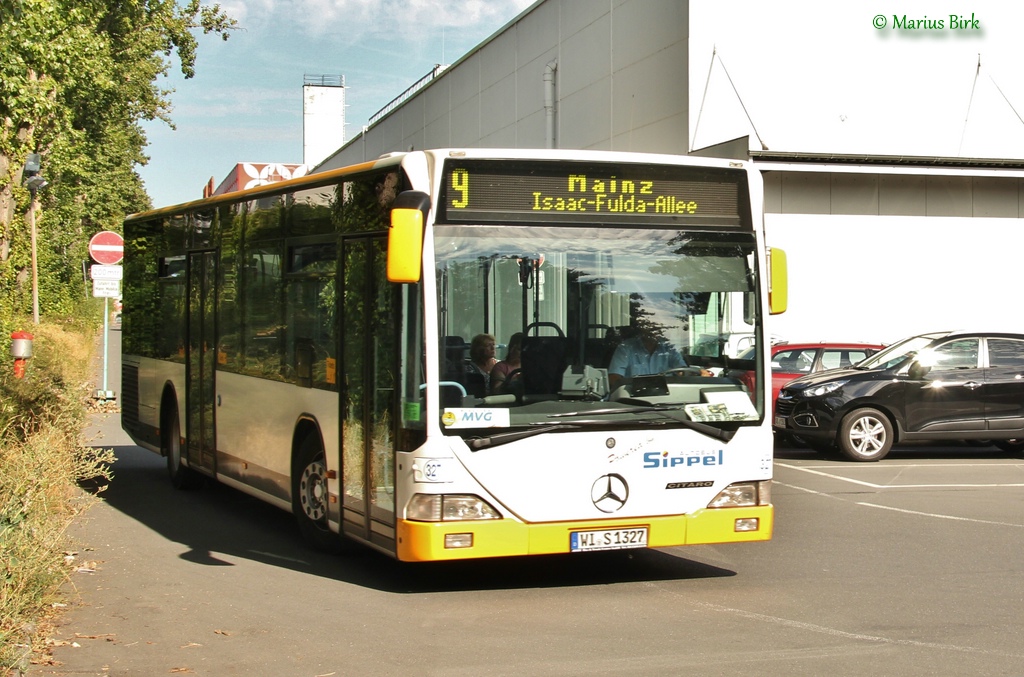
{"points": [[42, 459]]}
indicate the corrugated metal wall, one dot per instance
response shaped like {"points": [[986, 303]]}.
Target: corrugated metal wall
{"points": [[620, 83]]}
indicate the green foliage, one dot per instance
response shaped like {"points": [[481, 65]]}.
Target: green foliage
{"points": [[41, 461], [77, 79]]}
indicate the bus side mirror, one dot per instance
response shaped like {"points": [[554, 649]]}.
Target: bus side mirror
{"points": [[405, 236], [778, 281]]}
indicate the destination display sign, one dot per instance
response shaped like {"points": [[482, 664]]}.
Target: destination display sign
{"points": [[502, 191]]}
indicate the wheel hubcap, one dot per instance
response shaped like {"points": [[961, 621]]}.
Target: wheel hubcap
{"points": [[867, 435], [313, 491]]}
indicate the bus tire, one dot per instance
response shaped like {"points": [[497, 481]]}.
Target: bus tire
{"points": [[182, 477], [865, 435], [309, 496]]}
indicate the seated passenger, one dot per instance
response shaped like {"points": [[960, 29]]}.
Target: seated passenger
{"points": [[481, 361], [501, 371], [642, 355]]}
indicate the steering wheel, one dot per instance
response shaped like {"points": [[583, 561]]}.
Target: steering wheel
{"points": [[687, 371]]}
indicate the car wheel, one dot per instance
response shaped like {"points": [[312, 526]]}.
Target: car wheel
{"points": [[1011, 446], [865, 435], [797, 441]]}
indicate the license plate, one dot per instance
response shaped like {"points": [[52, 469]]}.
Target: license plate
{"points": [[608, 539], [780, 421]]}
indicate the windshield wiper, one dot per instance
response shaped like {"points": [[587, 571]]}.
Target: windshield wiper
{"points": [[674, 412], [475, 443]]}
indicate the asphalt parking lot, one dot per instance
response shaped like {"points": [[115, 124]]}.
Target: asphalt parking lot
{"points": [[910, 466]]}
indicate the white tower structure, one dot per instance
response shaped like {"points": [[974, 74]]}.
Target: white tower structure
{"points": [[323, 117]]}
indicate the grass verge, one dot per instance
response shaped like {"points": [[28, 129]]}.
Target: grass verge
{"points": [[42, 460]]}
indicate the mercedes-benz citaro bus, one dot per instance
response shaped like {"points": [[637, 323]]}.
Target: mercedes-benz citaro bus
{"points": [[326, 345]]}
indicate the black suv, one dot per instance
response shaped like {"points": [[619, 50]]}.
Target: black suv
{"points": [[939, 386]]}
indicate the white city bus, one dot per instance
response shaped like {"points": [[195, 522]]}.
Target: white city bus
{"points": [[309, 343]]}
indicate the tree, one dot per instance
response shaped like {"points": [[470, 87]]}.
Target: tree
{"points": [[77, 79]]}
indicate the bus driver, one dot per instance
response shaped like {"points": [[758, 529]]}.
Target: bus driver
{"points": [[642, 355]]}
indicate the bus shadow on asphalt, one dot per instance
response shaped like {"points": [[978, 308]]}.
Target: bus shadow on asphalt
{"points": [[219, 525]]}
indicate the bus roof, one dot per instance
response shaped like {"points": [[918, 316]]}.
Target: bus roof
{"points": [[388, 159]]}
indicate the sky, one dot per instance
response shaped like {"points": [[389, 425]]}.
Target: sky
{"points": [[245, 102], [852, 78], [797, 76]]}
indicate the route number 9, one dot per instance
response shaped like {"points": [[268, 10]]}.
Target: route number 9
{"points": [[460, 184]]}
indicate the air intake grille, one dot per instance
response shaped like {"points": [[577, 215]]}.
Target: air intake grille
{"points": [[129, 396]]}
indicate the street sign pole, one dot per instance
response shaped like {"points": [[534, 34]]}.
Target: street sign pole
{"points": [[106, 248], [105, 394]]}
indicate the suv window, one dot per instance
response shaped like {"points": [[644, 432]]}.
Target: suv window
{"points": [[1006, 353], [959, 354]]}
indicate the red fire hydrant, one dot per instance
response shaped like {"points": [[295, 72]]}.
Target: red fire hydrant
{"points": [[21, 350]]}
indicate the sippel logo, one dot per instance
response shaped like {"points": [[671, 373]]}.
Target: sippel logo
{"points": [[654, 459], [609, 492]]}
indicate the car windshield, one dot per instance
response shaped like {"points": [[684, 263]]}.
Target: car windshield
{"points": [[897, 352], [554, 304]]}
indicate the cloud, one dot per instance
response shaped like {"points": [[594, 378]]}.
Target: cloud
{"points": [[351, 20], [238, 102]]}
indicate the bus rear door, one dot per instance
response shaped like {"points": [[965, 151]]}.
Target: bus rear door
{"points": [[200, 362]]}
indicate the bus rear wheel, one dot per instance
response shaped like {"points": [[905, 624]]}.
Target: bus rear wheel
{"points": [[309, 497], [182, 477]]}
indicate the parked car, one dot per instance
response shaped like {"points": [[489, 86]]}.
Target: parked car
{"points": [[793, 360], [115, 314], [714, 345], [937, 386]]}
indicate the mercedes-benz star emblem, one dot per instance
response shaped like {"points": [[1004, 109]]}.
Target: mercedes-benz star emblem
{"points": [[609, 492]]}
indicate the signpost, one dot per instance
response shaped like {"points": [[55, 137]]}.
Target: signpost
{"points": [[107, 249]]}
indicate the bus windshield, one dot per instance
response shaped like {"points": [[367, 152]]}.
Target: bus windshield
{"points": [[591, 317]]}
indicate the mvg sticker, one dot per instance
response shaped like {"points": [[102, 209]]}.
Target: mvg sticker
{"points": [[475, 418]]}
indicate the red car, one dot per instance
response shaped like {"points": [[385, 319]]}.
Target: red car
{"points": [[792, 360]]}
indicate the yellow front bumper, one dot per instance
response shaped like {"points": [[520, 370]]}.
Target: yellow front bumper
{"points": [[424, 541]]}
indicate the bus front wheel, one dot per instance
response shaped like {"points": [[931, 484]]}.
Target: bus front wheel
{"points": [[309, 496]]}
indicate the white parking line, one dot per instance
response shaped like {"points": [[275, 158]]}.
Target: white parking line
{"points": [[896, 486], [945, 517], [874, 485], [835, 632]]}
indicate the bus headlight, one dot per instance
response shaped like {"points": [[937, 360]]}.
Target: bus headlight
{"points": [[449, 508], [743, 495]]}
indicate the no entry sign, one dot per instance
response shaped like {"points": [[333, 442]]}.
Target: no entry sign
{"points": [[106, 247]]}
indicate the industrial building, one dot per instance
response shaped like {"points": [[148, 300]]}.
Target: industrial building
{"points": [[880, 246]]}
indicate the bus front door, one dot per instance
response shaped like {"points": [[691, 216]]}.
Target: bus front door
{"points": [[200, 362], [368, 389]]}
